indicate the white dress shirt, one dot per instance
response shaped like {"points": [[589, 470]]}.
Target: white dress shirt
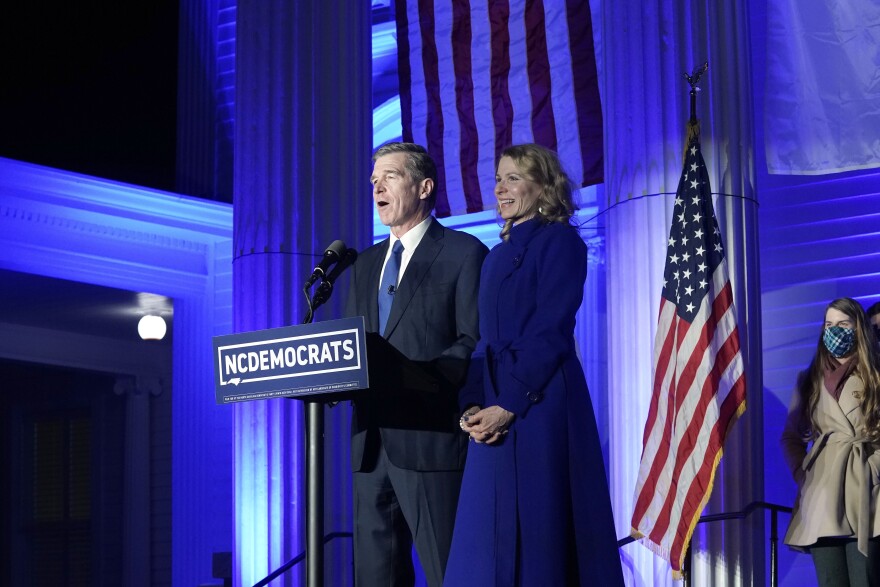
{"points": [[410, 241]]}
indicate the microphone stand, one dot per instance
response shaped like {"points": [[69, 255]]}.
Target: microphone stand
{"points": [[314, 480], [314, 413], [315, 442]]}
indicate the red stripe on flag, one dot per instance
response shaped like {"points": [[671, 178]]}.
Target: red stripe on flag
{"points": [[543, 121], [662, 364], [720, 305], [464, 94], [586, 89], [699, 489], [643, 501], [659, 463], [689, 372], [434, 125], [689, 439], [404, 72], [486, 103], [502, 109]]}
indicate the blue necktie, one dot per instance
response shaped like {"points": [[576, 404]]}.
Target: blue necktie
{"points": [[389, 284]]}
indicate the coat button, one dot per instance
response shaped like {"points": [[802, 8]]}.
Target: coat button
{"points": [[517, 260], [534, 397]]}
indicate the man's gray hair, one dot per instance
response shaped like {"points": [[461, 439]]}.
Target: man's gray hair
{"points": [[419, 163]]}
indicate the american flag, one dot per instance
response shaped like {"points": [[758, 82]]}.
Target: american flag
{"points": [[699, 387], [477, 76]]}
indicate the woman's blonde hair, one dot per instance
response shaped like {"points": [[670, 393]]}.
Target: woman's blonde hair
{"points": [[541, 165], [866, 367]]}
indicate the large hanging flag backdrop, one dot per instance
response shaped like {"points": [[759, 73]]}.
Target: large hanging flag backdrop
{"points": [[699, 385], [822, 88], [478, 76]]}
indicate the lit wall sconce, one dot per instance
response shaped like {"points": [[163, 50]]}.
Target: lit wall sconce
{"points": [[152, 328]]}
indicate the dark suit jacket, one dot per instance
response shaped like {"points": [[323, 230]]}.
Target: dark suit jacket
{"points": [[433, 321]]}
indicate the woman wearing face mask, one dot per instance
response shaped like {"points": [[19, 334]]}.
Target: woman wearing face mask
{"points": [[830, 441]]}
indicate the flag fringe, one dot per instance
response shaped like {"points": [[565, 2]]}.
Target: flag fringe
{"points": [[740, 410], [650, 544]]}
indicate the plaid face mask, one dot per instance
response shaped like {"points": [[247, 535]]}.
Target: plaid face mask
{"points": [[838, 340]]}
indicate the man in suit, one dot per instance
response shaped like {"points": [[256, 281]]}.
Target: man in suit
{"points": [[418, 289]]}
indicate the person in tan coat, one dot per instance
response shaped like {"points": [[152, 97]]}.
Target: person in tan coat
{"points": [[830, 442]]}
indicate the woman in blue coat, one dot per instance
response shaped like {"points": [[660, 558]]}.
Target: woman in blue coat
{"points": [[534, 508]]}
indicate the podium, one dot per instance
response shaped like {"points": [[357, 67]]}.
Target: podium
{"points": [[319, 363]]}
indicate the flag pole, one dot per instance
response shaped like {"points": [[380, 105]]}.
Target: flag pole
{"points": [[694, 80], [693, 125], [698, 373], [693, 131]]}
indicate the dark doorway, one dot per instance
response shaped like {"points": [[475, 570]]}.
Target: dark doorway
{"points": [[62, 437]]}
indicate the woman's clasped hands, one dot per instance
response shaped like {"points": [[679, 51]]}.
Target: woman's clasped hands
{"points": [[488, 425]]}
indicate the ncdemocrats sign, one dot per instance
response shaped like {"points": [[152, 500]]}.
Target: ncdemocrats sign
{"points": [[308, 359]]}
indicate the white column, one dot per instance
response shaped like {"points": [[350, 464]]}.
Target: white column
{"points": [[646, 105], [302, 165], [590, 334], [136, 526]]}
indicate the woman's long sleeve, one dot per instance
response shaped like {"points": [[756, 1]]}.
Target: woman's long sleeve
{"points": [[795, 436]]}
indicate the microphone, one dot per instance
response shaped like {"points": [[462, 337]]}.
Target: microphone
{"points": [[333, 253], [347, 260], [322, 294]]}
